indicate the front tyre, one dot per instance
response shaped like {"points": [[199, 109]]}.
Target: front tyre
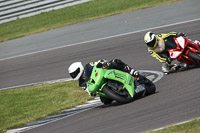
{"points": [[112, 95], [105, 100], [194, 56]]}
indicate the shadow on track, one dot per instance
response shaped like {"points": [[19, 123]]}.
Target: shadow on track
{"points": [[114, 103]]}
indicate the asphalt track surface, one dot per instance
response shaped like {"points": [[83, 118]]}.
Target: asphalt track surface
{"points": [[101, 28], [177, 98]]}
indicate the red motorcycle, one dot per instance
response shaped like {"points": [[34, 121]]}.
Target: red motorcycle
{"points": [[184, 51]]}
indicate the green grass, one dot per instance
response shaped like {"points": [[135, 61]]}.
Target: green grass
{"points": [[22, 105], [71, 15], [189, 127]]}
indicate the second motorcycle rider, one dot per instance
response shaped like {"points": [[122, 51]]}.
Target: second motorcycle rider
{"points": [[158, 45]]}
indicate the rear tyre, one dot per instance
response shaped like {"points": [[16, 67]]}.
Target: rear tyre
{"points": [[194, 56], [111, 94], [105, 100], [150, 87]]}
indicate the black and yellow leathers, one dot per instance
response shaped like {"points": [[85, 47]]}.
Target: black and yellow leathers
{"points": [[159, 51]]}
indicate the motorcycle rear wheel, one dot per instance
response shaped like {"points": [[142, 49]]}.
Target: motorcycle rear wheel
{"points": [[150, 88], [111, 94], [149, 85]]}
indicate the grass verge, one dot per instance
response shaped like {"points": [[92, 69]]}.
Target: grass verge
{"points": [[22, 105], [189, 127], [71, 15]]}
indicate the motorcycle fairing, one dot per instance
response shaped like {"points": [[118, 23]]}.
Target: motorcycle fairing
{"points": [[96, 81], [175, 53], [123, 77], [180, 41]]}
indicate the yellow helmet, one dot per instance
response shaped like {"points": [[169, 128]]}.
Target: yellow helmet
{"points": [[150, 39]]}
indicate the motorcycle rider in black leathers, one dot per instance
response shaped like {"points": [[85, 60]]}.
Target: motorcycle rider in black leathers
{"points": [[77, 72]]}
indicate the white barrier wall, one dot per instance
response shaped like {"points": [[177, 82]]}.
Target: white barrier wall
{"points": [[15, 9]]}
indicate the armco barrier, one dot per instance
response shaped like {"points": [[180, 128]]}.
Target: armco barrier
{"points": [[15, 9]]}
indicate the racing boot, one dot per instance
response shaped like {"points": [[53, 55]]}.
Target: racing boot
{"points": [[132, 72], [166, 68]]}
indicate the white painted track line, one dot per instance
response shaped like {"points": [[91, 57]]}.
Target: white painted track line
{"points": [[101, 39]]}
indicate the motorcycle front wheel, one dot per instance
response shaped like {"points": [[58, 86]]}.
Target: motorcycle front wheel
{"points": [[194, 56], [105, 100], [117, 97]]}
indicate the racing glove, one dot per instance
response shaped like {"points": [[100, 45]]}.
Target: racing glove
{"points": [[102, 64]]}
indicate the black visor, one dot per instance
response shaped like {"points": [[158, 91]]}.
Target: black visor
{"points": [[75, 73], [152, 43]]}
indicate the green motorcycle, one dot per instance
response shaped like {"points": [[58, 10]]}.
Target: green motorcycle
{"points": [[112, 84]]}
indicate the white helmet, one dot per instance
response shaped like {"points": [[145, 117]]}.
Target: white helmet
{"points": [[150, 39], [76, 70]]}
